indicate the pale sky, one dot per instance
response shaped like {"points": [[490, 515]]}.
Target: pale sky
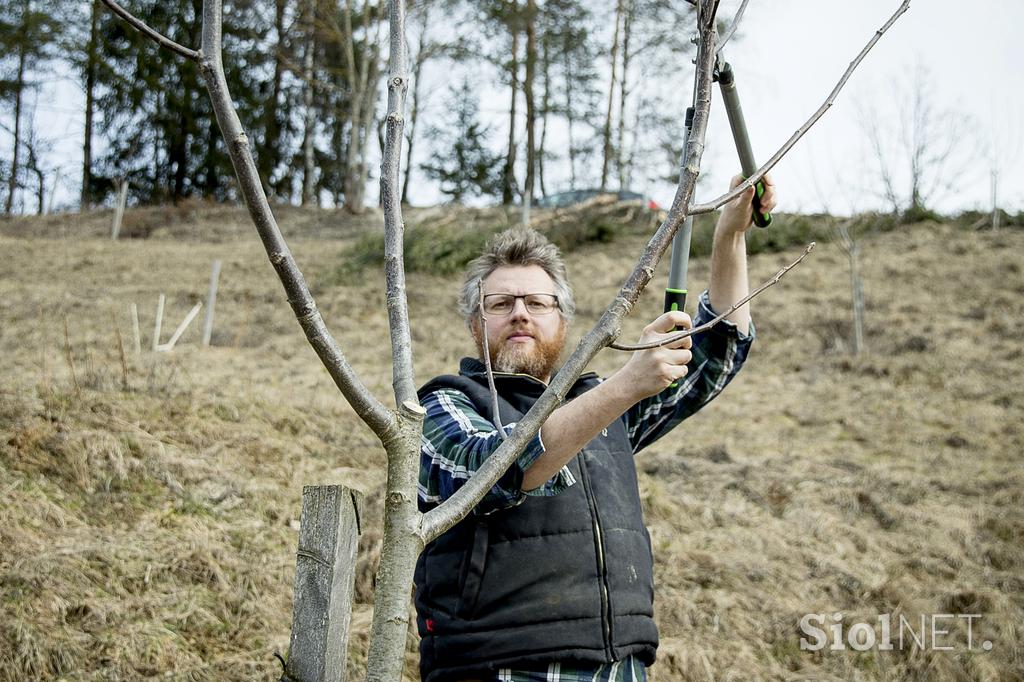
{"points": [[791, 54], [794, 51]]}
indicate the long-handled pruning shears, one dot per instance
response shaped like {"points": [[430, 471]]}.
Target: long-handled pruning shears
{"points": [[675, 292]]}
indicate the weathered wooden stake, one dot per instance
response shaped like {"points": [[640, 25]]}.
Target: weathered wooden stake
{"points": [[325, 572], [136, 336], [68, 354], [169, 346], [120, 350], [53, 192], [159, 322], [122, 199], [211, 299]]}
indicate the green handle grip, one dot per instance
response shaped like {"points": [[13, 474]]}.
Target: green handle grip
{"points": [[675, 299], [760, 219]]}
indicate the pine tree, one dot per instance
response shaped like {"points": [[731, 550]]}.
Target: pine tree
{"points": [[155, 116], [28, 31], [462, 162]]}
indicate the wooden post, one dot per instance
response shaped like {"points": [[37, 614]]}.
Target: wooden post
{"points": [[53, 191], [857, 287], [136, 336], [211, 298], [995, 197], [122, 199], [169, 346], [325, 570], [159, 322]]}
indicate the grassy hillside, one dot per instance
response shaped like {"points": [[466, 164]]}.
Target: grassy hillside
{"points": [[149, 512]]}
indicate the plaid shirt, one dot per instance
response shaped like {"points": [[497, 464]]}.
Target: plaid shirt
{"points": [[456, 440]]}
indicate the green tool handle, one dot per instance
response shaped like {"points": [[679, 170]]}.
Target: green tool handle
{"points": [[675, 291], [675, 299], [731, 98]]}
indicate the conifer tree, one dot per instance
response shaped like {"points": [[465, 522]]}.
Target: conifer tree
{"points": [[462, 162]]}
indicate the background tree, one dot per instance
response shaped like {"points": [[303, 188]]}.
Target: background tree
{"points": [[569, 56], [921, 150], [174, 150], [28, 32], [431, 42], [462, 161]]}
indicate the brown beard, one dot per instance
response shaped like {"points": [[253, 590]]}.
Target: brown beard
{"points": [[513, 359]]}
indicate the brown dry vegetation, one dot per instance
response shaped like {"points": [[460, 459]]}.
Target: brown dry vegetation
{"points": [[149, 530]]}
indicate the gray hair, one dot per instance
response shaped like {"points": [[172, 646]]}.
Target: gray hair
{"points": [[516, 247]]}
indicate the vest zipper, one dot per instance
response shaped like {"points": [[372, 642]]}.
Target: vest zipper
{"points": [[606, 607]]}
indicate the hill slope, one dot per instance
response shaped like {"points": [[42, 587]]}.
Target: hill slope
{"points": [[148, 513]]}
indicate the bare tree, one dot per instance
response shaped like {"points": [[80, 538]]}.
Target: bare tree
{"points": [[606, 131], [920, 151], [851, 248], [406, 531], [308, 117]]}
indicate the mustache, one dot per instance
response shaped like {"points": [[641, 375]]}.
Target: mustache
{"points": [[522, 329]]}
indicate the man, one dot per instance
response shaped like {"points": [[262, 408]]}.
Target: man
{"points": [[551, 577]]}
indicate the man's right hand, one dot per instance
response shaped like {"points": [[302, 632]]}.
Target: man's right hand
{"points": [[649, 372]]}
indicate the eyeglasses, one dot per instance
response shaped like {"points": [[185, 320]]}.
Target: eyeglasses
{"points": [[536, 304]]}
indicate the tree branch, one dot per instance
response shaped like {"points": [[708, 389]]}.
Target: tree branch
{"points": [[732, 27], [455, 508], [756, 177], [487, 361], [711, 323], [394, 228], [142, 28]]}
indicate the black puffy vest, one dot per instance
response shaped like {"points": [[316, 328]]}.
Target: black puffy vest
{"points": [[566, 578]]}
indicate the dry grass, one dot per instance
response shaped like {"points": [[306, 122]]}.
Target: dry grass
{"points": [[150, 530]]}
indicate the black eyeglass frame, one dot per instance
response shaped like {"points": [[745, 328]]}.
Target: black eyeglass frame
{"points": [[516, 297]]}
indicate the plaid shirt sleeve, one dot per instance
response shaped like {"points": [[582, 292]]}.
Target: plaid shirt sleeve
{"points": [[718, 354], [457, 440]]}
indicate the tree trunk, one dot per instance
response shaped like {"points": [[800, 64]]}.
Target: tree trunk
{"points": [[19, 86], [361, 112], [270, 155], [531, 107], [85, 200], [570, 115], [857, 289], [368, 117], [620, 162], [508, 185], [33, 165], [544, 107], [308, 123], [414, 109], [606, 133]]}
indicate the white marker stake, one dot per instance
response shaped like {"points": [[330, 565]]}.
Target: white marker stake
{"points": [[181, 328], [136, 335], [211, 299], [122, 199], [159, 322]]}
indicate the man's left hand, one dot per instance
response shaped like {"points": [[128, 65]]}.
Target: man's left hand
{"points": [[738, 215]]}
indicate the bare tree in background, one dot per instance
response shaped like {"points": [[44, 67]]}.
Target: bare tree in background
{"points": [[406, 530], [851, 248], [308, 118], [920, 152]]}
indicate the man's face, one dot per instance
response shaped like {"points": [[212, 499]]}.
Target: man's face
{"points": [[521, 342]]}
